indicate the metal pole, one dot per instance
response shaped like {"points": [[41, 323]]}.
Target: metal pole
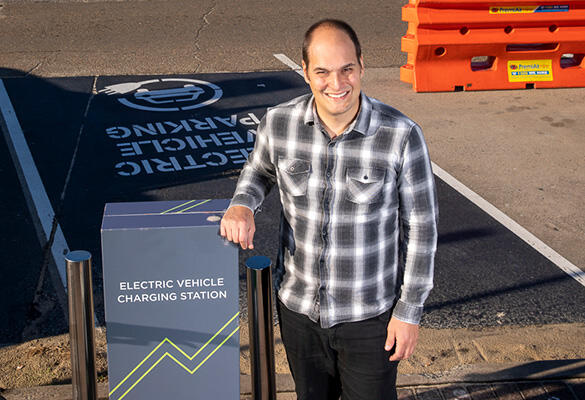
{"points": [[260, 325], [81, 325]]}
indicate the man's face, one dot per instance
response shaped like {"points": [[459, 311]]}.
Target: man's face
{"points": [[334, 74]]}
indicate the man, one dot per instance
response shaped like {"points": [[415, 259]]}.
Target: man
{"points": [[358, 227]]}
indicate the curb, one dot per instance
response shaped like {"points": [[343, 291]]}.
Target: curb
{"points": [[551, 370], [503, 372]]}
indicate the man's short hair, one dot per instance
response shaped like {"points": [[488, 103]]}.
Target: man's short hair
{"points": [[331, 23]]}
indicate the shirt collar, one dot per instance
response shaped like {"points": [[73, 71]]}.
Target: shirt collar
{"points": [[362, 124]]}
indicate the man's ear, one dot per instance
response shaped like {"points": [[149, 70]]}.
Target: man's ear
{"points": [[362, 66], [305, 72]]}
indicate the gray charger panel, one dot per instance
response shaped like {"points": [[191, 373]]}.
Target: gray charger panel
{"points": [[171, 301]]}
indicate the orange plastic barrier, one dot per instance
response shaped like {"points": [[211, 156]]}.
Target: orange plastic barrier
{"points": [[455, 45]]}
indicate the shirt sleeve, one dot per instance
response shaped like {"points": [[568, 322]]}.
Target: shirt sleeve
{"points": [[419, 215], [258, 175]]}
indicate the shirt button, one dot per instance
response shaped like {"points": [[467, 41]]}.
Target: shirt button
{"points": [[328, 174]]}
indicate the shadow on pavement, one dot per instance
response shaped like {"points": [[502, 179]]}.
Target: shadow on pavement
{"points": [[541, 370]]}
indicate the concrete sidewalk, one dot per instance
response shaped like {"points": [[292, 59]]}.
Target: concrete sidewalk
{"points": [[563, 380]]}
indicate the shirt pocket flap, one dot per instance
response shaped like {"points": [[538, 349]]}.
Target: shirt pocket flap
{"points": [[366, 175], [364, 185], [294, 176], [294, 166]]}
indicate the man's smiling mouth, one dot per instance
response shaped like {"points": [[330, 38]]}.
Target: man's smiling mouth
{"points": [[337, 96]]}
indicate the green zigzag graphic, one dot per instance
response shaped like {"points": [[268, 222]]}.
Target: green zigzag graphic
{"points": [[184, 204], [167, 354]]}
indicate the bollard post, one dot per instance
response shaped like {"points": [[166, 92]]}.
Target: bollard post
{"points": [[81, 325], [260, 325]]}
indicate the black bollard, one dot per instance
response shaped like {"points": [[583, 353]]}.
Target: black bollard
{"points": [[259, 276], [81, 325]]}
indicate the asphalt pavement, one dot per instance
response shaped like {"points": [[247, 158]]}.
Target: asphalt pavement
{"points": [[94, 144]]}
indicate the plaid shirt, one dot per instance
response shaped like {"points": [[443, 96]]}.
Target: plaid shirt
{"points": [[358, 229]]}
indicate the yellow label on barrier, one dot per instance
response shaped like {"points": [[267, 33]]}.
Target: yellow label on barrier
{"points": [[530, 70], [528, 9]]}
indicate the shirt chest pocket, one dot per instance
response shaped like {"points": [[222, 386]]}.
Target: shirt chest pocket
{"points": [[294, 174], [364, 185]]}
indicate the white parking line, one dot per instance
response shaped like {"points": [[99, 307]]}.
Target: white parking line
{"points": [[290, 63], [572, 270], [30, 180]]}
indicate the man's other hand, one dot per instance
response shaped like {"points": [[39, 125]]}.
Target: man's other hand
{"points": [[237, 225], [404, 335]]}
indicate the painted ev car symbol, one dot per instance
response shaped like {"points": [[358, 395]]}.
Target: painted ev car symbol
{"points": [[150, 96], [186, 93]]}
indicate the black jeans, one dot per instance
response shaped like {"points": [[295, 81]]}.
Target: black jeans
{"points": [[346, 360]]}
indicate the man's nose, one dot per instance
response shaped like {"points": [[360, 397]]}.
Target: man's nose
{"points": [[335, 80]]}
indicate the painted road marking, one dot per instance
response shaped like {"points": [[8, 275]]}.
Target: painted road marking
{"points": [[290, 63], [190, 96], [38, 202], [565, 265], [572, 270]]}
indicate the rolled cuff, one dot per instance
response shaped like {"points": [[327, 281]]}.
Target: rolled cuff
{"points": [[408, 313], [244, 200]]}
